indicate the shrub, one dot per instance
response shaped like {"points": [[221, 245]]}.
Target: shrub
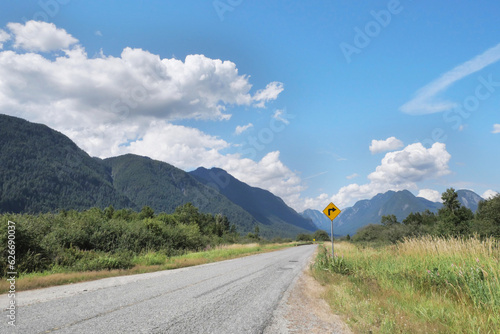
{"points": [[304, 237], [122, 260], [321, 235]]}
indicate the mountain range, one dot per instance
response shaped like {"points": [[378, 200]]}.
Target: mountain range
{"points": [[370, 211], [42, 170], [267, 208]]}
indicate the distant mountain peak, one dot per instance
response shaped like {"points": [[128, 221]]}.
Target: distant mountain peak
{"points": [[399, 203], [266, 207]]}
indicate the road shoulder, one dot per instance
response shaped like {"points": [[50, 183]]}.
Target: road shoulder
{"points": [[302, 310]]}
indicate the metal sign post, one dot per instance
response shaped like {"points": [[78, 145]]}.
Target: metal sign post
{"points": [[331, 211]]}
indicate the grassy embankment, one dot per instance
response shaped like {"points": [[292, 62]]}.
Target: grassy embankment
{"points": [[424, 285], [149, 262]]}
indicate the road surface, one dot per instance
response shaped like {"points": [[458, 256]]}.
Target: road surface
{"points": [[233, 296]]}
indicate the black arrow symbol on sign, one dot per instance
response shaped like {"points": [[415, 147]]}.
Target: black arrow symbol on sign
{"points": [[332, 210]]}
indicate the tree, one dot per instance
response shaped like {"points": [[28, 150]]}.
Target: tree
{"points": [[256, 232], [453, 219], [146, 212], [487, 220], [389, 220], [221, 224], [304, 237], [187, 214], [370, 232], [420, 223], [450, 200], [109, 212], [321, 235]]}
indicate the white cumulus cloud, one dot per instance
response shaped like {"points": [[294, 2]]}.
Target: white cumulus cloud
{"points": [[390, 144], [489, 194], [4, 37], [112, 105], [40, 36], [430, 194], [413, 164], [397, 171], [78, 95], [268, 173]]}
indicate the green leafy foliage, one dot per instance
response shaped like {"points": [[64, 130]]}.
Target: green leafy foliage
{"points": [[304, 237], [98, 239], [487, 219], [321, 235], [336, 264]]}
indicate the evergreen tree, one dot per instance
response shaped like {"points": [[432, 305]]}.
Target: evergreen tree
{"points": [[450, 200], [487, 220]]}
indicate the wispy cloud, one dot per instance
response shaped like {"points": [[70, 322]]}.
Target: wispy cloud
{"points": [[352, 176], [425, 100], [278, 115], [496, 128], [270, 93], [240, 129], [315, 175], [332, 154]]}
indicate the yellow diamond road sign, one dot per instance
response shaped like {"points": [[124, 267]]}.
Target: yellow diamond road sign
{"points": [[331, 211]]}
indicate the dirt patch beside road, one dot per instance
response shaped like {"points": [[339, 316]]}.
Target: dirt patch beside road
{"points": [[302, 310]]}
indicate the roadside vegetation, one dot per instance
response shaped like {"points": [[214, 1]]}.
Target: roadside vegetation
{"points": [[452, 220], [71, 246], [430, 274]]}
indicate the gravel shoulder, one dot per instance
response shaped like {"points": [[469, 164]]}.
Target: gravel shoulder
{"points": [[303, 310]]}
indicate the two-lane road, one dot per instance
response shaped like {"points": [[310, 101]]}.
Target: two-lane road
{"points": [[234, 296]]}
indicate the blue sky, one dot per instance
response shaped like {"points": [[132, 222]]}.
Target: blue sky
{"points": [[285, 95]]}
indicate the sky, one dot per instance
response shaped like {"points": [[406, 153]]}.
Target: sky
{"points": [[317, 101]]}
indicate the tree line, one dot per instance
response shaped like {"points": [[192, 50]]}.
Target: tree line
{"points": [[452, 219]]}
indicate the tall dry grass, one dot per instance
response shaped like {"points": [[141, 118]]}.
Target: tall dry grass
{"points": [[448, 284], [440, 246]]}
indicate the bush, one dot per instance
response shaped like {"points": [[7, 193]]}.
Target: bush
{"points": [[337, 265], [98, 239], [304, 237], [321, 235], [151, 258], [106, 261]]}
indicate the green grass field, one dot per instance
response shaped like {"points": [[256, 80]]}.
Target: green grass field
{"points": [[424, 285]]}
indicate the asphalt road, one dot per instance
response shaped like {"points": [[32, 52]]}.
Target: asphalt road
{"points": [[233, 296]]}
